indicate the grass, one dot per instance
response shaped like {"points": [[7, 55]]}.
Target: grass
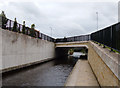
{"points": [[107, 47]]}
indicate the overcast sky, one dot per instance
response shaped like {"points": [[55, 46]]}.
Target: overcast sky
{"points": [[67, 18]]}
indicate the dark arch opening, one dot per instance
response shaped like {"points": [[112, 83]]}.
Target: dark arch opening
{"points": [[74, 52]]}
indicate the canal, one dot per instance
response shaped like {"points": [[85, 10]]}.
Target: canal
{"points": [[51, 73]]}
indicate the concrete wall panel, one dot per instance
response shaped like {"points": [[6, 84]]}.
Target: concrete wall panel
{"points": [[19, 49]]}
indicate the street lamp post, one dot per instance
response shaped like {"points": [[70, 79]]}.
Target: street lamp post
{"points": [[51, 31], [97, 19]]}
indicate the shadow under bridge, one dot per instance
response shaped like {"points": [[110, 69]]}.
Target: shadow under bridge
{"points": [[66, 50]]}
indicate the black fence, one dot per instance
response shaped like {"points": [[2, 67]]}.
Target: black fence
{"points": [[109, 36], [75, 38], [8, 24]]}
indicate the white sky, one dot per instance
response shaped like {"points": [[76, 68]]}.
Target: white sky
{"points": [[66, 17]]}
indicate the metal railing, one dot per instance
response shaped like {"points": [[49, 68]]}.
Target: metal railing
{"points": [[75, 38], [109, 37], [8, 24]]}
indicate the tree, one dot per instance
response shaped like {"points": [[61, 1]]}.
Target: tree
{"points": [[3, 14], [70, 52], [15, 26], [3, 20], [33, 26], [23, 27], [32, 30]]}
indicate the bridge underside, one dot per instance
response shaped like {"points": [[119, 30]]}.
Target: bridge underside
{"points": [[62, 49], [62, 52]]}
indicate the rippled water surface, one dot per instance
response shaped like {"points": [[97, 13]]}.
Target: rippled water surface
{"points": [[52, 73]]}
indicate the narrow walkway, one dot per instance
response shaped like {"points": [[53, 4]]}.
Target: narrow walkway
{"points": [[82, 75]]}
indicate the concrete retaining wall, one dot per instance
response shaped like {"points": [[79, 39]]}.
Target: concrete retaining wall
{"points": [[104, 64], [19, 50]]}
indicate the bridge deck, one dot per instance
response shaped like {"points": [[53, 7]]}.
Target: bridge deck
{"points": [[82, 75]]}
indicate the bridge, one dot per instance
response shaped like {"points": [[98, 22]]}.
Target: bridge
{"points": [[103, 62], [27, 57]]}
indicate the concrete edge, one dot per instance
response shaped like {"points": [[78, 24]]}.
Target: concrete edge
{"points": [[72, 78], [24, 65], [94, 74], [68, 78], [73, 42]]}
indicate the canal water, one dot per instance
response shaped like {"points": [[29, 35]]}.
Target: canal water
{"points": [[52, 73]]}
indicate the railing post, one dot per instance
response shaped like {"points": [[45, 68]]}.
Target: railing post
{"points": [[103, 38], [9, 28], [47, 38], [111, 39], [38, 34], [99, 38], [19, 28]]}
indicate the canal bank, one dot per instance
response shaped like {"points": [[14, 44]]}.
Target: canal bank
{"points": [[82, 75], [67, 71], [52, 73]]}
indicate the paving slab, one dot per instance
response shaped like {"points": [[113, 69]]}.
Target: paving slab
{"points": [[82, 75]]}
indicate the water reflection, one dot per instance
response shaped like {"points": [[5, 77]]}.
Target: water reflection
{"points": [[76, 55], [52, 73]]}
